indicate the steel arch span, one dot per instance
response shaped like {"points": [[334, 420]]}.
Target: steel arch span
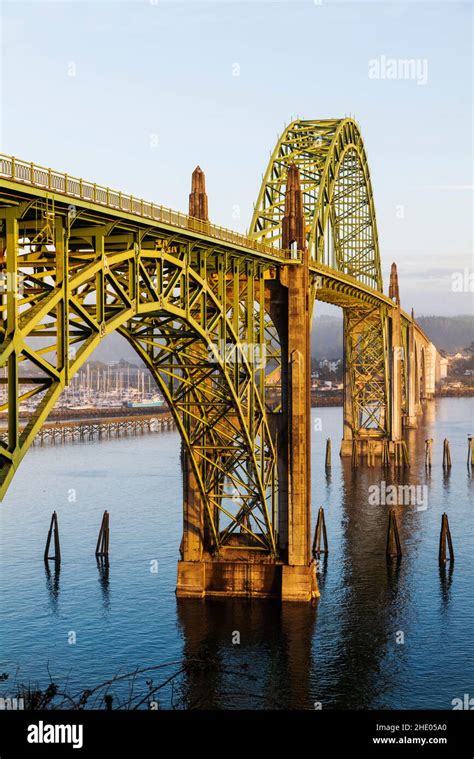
{"points": [[340, 232], [336, 193], [222, 321]]}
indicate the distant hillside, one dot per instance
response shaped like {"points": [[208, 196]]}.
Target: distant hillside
{"points": [[326, 342], [113, 348], [449, 333], [326, 337]]}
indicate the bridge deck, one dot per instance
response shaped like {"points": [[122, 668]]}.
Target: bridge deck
{"points": [[48, 182], [20, 176]]}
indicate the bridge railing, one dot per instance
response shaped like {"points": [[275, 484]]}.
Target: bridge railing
{"points": [[55, 181]]}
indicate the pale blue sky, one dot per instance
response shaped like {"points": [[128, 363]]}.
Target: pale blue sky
{"points": [[165, 69]]}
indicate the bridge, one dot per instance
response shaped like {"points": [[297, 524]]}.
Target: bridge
{"points": [[222, 321]]}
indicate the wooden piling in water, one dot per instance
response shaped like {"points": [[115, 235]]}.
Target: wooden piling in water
{"points": [[446, 455], [102, 548], [328, 453], [370, 453], [470, 453], [53, 527], [428, 453], [320, 530], [400, 454], [394, 547], [385, 454], [355, 454], [445, 537]]}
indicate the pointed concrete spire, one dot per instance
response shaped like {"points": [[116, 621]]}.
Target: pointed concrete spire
{"points": [[293, 222], [393, 291], [198, 196]]}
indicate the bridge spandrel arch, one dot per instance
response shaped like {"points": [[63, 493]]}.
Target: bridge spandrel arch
{"points": [[213, 393], [174, 302]]}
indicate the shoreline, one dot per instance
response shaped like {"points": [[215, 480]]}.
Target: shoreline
{"points": [[321, 400]]}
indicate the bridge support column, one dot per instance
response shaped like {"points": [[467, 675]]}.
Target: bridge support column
{"points": [[411, 417], [396, 363], [191, 568], [367, 360], [299, 581], [191, 577], [236, 568], [348, 412]]}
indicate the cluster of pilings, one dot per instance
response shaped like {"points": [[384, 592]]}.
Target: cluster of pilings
{"points": [[394, 548], [394, 545], [62, 432], [399, 457], [395, 453], [102, 546], [447, 463]]}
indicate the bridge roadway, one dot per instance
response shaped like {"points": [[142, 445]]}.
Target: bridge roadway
{"points": [[21, 179]]}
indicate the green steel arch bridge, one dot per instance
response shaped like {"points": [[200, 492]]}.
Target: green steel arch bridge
{"points": [[222, 321]]}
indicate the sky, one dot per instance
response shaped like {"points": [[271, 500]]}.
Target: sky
{"points": [[133, 95]]}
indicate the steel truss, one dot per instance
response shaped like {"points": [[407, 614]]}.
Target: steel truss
{"points": [[341, 233], [195, 315], [80, 261]]}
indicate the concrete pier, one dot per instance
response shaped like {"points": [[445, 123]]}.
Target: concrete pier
{"points": [[238, 571]]}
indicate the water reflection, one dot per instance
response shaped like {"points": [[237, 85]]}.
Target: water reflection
{"points": [[371, 603], [445, 580], [104, 581], [322, 570], [393, 573], [52, 584], [268, 669]]}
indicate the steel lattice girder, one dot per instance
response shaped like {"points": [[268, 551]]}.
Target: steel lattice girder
{"points": [[341, 237], [337, 190], [366, 355], [81, 261], [191, 312]]}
